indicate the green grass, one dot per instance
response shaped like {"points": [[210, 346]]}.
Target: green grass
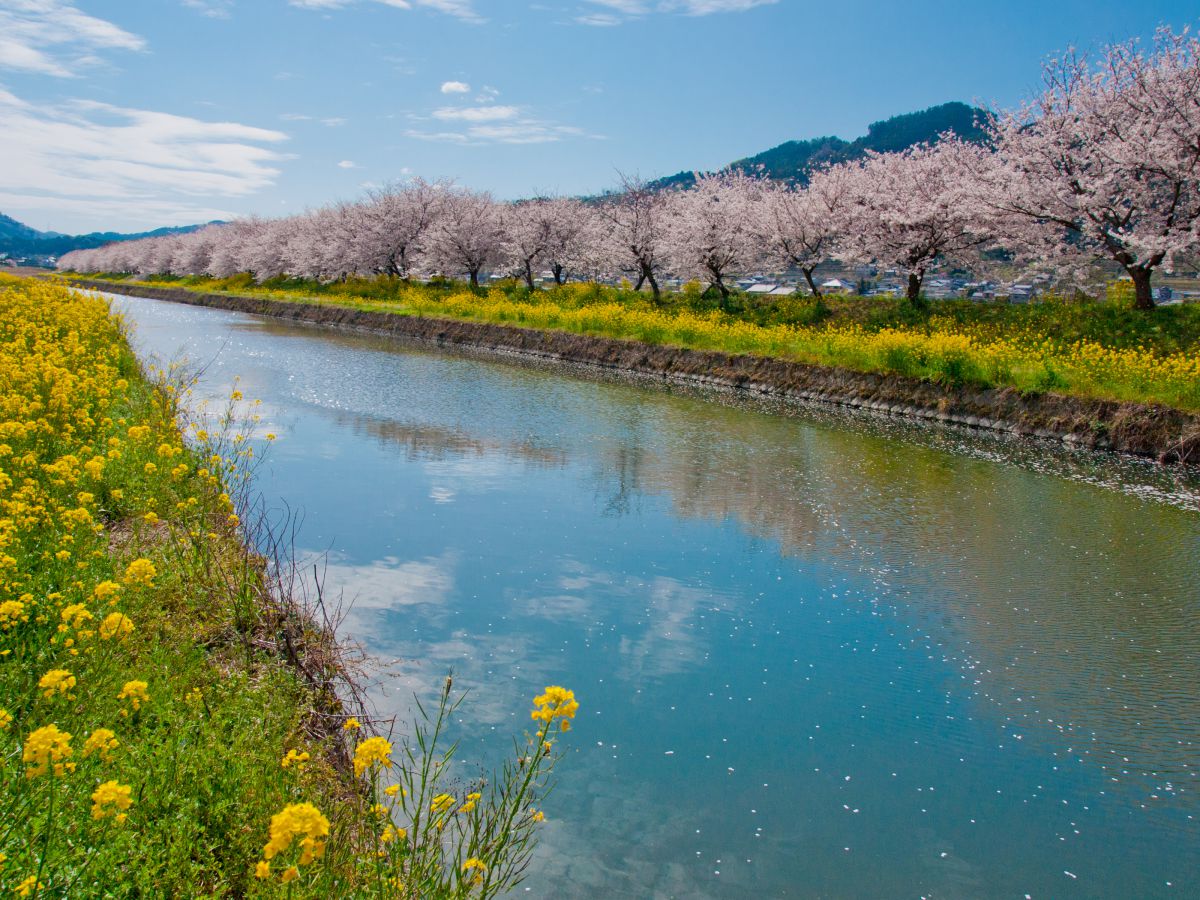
{"points": [[130, 601]]}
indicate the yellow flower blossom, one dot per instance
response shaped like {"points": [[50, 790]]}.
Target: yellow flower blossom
{"points": [[374, 751], [556, 703], [298, 759], [102, 741], [140, 571], [56, 681], [112, 799], [297, 820], [136, 692], [115, 625], [28, 886], [47, 749]]}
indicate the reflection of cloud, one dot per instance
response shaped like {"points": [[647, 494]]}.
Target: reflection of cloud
{"points": [[388, 583]]}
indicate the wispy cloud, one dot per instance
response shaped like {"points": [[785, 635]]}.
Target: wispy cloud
{"points": [[214, 9], [475, 113], [347, 164], [622, 10], [128, 166], [455, 87], [460, 9], [51, 37]]}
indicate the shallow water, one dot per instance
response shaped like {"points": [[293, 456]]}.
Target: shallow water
{"points": [[818, 654]]}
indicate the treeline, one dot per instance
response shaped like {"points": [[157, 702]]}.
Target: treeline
{"points": [[1104, 164]]}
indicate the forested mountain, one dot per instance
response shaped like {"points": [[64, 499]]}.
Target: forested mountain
{"points": [[793, 160], [18, 239]]}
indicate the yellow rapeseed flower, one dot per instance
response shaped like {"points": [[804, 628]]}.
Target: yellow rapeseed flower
{"points": [[556, 703], [56, 681], [112, 799], [140, 571], [371, 752], [47, 749], [102, 741], [136, 692], [115, 625], [298, 820]]}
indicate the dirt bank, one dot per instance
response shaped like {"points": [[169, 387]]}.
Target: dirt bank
{"points": [[1168, 435]]}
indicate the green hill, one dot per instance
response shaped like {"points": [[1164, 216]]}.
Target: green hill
{"points": [[792, 161]]}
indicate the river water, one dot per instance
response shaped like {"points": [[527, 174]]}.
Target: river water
{"points": [[818, 654]]}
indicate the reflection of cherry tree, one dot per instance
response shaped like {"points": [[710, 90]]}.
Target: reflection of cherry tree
{"points": [[1106, 162]]}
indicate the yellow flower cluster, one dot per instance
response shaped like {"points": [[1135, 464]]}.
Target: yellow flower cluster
{"points": [[557, 703], [301, 821], [374, 751], [48, 749], [941, 350], [112, 799]]}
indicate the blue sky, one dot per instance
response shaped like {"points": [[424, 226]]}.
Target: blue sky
{"points": [[140, 113]]}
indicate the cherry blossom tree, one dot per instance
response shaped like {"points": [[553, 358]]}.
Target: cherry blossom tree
{"points": [[800, 225], [555, 233], [634, 231], [1105, 163], [913, 209], [468, 235], [398, 219], [710, 227]]}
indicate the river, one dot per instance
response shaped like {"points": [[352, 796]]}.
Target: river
{"points": [[817, 654]]}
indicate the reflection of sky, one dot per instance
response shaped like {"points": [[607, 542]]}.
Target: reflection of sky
{"points": [[812, 660]]}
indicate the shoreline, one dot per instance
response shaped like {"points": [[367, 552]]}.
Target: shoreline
{"points": [[1158, 432]]}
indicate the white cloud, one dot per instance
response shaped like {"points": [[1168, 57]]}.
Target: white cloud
{"points": [[347, 164], [214, 9], [51, 37], [628, 9], [455, 87], [460, 9], [475, 113], [126, 167]]}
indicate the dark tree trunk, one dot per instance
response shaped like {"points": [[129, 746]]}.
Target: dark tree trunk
{"points": [[560, 273], [475, 278], [648, 274], [812, 285], [723, 291], [641, 280], [529, 275], [914, 288], [1143, 298]]}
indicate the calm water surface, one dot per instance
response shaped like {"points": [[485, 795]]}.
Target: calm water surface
{"points": [[818, 656]]}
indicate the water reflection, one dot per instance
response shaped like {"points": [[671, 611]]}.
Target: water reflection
{"points": [[818, 655]]}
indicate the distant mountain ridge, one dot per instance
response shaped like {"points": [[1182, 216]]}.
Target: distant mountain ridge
{"points": [[793, 160], [18, 239]]}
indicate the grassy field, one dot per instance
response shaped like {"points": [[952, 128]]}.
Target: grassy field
{"points": [[169, 723], [1104, 350]]}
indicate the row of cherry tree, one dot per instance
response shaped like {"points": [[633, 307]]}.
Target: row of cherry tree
{"points": [[1104, 164]]}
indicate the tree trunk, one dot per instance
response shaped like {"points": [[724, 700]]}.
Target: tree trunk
{"points": [[914, 288], [812, 285], [723, 291], [529, 275], [559, 273], [474, 278], [641, 280], [654, 289], [1143, 298]]}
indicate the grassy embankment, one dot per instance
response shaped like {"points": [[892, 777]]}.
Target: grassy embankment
{"points": [[1102, 350], [168, 722]]}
